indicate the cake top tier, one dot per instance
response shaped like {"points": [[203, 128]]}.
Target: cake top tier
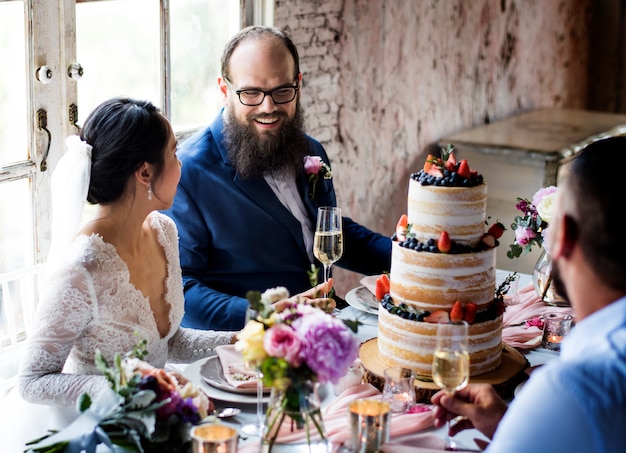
{"points": [[445, 171]]}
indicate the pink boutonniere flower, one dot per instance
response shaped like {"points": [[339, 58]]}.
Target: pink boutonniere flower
{"points": [[315, 168]]}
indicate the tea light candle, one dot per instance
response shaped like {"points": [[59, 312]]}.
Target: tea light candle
{"points": [[556, 328], [555, 338], [212, 438], [369, 424]]}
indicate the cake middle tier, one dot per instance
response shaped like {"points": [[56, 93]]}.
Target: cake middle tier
{"points": [[434, 281]]}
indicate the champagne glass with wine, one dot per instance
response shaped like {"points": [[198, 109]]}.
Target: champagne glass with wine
{"points": [[451, 363], [328, 240]]}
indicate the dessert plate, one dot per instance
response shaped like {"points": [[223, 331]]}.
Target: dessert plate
{"points": [[213, 374], [362, 299]]}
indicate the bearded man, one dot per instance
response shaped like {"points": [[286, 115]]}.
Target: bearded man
{"points": [[245, 207]]}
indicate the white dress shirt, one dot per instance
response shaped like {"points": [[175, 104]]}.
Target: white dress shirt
{"points": [[287, 192]]}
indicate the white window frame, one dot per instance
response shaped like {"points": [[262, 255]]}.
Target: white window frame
{"points": [[51, 42]]}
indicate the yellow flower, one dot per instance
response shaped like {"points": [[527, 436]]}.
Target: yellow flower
{"points": [[250, 342]]}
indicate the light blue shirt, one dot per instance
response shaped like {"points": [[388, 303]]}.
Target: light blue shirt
{"points": [[576, 403]]}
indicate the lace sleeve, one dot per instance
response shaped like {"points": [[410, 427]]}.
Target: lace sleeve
{"points": [[188, 345], [63, 315]]}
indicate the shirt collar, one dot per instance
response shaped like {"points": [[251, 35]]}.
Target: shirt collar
{"points": [[592, 333]]}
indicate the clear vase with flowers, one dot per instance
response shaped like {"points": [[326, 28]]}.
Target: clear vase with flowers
{"points": [[297, 349], [531, 229]]}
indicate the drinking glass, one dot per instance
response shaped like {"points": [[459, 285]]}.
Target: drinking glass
{"points": [[451, 363], [399, 389], [328, 240], [256, 428]]}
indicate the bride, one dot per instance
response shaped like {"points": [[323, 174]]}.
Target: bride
{"points": [[119, 277]]}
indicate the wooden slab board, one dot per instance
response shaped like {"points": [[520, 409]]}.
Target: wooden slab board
{"points": [[505, 378]]}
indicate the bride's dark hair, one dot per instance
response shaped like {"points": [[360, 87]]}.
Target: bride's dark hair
{"points": [[124, 133]]}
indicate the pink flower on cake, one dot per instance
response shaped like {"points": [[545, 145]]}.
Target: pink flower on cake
{"points": [[314, 168], [531, 227]]}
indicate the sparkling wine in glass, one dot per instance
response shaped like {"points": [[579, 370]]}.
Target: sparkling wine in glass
{"points": [[328, 240], [451, 363]]}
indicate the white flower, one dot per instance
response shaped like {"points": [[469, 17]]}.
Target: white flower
{"points": [[544, 201], [273, 295]]}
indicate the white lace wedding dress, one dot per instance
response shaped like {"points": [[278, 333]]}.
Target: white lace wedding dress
{"points": [[90, 304]]}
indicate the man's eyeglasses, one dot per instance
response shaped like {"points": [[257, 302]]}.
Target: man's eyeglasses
{"points": [[281, 95]]}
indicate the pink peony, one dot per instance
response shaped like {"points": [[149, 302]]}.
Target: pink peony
{"points": [[283, 342], [523, 235], [328, 347], [312, 165]]}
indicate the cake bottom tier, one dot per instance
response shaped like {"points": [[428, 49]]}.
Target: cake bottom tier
{"points": [[410, 344], [504, 379]]}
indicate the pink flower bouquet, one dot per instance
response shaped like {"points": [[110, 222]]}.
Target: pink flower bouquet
{"points": [[531, 227]]}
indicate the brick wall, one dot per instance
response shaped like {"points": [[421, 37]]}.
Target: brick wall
{"points": [[384, 80]]}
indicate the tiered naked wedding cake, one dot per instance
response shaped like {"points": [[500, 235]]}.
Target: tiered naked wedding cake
{"points": [[442, 268]]}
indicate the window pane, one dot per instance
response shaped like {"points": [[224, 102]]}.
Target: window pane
{"points": [[199, 31], [16, 231], [118, 46], [13, 77]]}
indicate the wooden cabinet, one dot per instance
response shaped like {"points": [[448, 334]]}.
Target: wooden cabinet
{"points": [[522, 153]]}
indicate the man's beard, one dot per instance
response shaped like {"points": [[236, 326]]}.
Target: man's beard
{"points": [[255, 154], [557, 281]]}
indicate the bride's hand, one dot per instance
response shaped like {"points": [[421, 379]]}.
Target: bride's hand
{"points": [[311, 297]]}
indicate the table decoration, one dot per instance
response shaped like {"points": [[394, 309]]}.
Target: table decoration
{"points": [[295, 349], [369, 424], [556, 327], [214, 438], [531, 229], [522, 323], [145, 409]]}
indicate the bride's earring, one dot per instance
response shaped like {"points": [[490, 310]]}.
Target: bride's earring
{"points": [[149, 191]]}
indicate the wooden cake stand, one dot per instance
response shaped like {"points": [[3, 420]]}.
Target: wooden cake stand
{"points": [[504, 379]]}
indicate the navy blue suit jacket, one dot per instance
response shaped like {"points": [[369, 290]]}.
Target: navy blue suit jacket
{"points": [[236, 236]]}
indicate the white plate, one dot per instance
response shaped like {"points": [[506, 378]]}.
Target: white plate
{"points": [[192, 372], [213, 374], [362, 299]]}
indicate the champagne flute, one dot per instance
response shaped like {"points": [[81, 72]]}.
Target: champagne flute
{"points": [[451, 363], [256, 428], [328, 240]]}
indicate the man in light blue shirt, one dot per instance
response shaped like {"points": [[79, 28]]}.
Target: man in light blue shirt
{"points": [[578, 402]]}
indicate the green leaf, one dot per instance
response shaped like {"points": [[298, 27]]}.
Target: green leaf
{"points": [[84, 402], [352, 324]]}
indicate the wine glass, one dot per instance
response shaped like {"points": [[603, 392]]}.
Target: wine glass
{"points": [[328, 240], [451, 363], [256, 428]]}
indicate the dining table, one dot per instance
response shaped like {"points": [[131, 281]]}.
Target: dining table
{"points": [[425, 440]]}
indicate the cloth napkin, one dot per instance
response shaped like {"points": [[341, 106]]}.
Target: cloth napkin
{"points": [[337, 424], [235, 370], [370, 283], [529, 305]]}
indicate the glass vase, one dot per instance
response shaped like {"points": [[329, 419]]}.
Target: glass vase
{"points": [[294, 417], [542, 280]]}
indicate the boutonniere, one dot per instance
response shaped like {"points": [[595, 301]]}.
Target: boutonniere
{"points": [[315, 168]]}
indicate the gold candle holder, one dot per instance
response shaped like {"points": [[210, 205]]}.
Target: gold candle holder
{"points": [[369, 424], [213, 438]]}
